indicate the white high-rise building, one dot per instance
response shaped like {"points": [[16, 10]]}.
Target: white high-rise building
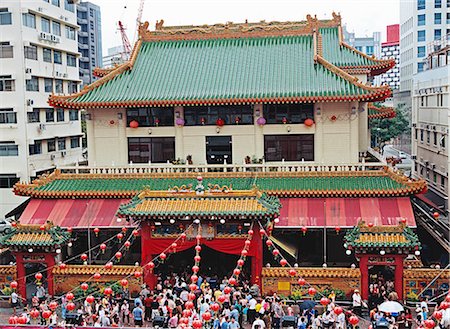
{"points": [[421, 22], [38, 57]]}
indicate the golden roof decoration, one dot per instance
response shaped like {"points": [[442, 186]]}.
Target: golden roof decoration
{"points": [[312, 272]]}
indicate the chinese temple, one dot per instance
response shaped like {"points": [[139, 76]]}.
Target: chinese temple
{"points": [[273, 121]]}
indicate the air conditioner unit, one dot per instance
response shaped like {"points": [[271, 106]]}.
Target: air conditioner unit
{"points": [[41, 126], [414, 125], [28, 70], [61, 17], [427, 163], [65, 75], [27, 43], [30, 102], [414, 157], [63, 153], [433, 166], [52, 157], [40, 9]]}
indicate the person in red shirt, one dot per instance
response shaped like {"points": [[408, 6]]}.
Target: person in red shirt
{"points": [[148, 308]]}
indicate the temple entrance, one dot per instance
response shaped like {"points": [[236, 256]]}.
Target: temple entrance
{"points": [[214, 265], [381, 283], [30, 270], [218, 149]]}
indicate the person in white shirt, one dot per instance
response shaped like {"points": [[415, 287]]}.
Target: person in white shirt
{"points": [[357, 302], [251, 313], [258, 324]]}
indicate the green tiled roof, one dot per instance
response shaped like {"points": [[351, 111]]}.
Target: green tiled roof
{"points": [[33, 236], [340, 55], [187, 72]]}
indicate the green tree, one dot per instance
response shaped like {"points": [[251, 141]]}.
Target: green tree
{"points": [[383, 130]]}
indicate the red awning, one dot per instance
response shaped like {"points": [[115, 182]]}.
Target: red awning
{"points": [[76, 213], [344, 212]]}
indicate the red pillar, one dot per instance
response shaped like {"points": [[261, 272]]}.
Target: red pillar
{"points": [[257, 259], [20, 266], [146, 256], [398, 276], [363, 267], [50, 262]]}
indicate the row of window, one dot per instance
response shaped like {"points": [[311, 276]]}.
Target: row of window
{"points": [[425, 172], [50, 55], [52, 114], [8, 180], [438, 138], [426, 101], [50, 85], [233, 114], [421, 4], [68, 4], [36, 148]]}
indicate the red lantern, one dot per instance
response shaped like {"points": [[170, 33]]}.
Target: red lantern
{"points": [[69, 296], [69, 229], [437, 315], [240, 262], [198, 237], [194, 278], [220, 122], [53, 305], [227, 290], [38, 276], [283, 262], [198, 248], [206, 316], [109, 265], [337, 229], [70, 306], [353, 320], [197, 324], [174, 246], [324, 301], [14, 319], [108, 291], [403, 220], [275, 252], [187, 313], [127, 244], [22, 320], [84, 286], [338, 310], [436, 215], [183, 237], [96, 231], [191, 296], [14, 224], [97, 276], [370, 224], [189, 305], [137, 274], [221, 299], [195, 269], [118, 255], [42, 227], [34, 313], [237, 272], [301, 281], [250, 232], [151, 265], [197, 259], [447, 298], [215, 307], [124, 282], [312, 291], [14, 284], [135, 232], [304, 230], [308, 122], [46, 314], [124, 229], [262, 232], [284, 120], [232, 281], [134, 124], [244, 252], [269, 243], [444, 305], [193, 287], [62, 266], [103, 248], [119, 236], [292, 272], [84, 257], [163, 256], [429, 323], [247, 243], [90, 299]]}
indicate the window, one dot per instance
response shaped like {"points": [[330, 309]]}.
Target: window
{"points": [[29, 20], [33, 116], [61, 144], [47, 54], [415, 133], [6, 50], [421, 20], [57, 57], [56, 28], [289, 147], [70, 32], [434, 178], [55, 3], [49, 115], [58, 86], [48, 85], [8, 180], [68, 5], [421, 51], [437, 34], [145, 149], [442, 180], [369, 50], [8, 149], [51, 145], [6, 83], [440, 100], [59, 115], [288, 113], [421, 36], [73, 115], [45, 25], [32, 84], [8, 116], [151, 116], [5, 17], [71, 60], [437, 18], [74, 142], [437, 3], [359, 48], [72, 87], [420, 66], [434, 138], [421, 135], [428, 137], [208, 115], [35, 148], [448, 22], [30, 52], [420, 4], [442, 141]]}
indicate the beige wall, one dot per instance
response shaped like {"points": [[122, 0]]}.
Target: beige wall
{"points": [[335, 141]]}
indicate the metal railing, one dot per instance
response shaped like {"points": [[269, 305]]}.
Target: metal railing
{"points": [[203, 168]]}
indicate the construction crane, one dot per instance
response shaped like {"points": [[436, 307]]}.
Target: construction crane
{"points": [[125, 42], [139, 18]]}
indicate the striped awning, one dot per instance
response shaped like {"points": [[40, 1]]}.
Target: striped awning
{"points": [[344, 212], [75, 213]]}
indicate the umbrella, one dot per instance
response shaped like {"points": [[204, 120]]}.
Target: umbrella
{"points": [[307, 305], [391, 307]]}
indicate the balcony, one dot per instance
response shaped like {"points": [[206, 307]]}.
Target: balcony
{"points": [[83, 34], [82, 21]]}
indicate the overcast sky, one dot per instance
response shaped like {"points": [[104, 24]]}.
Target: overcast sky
{"points": [[361, 16]]}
